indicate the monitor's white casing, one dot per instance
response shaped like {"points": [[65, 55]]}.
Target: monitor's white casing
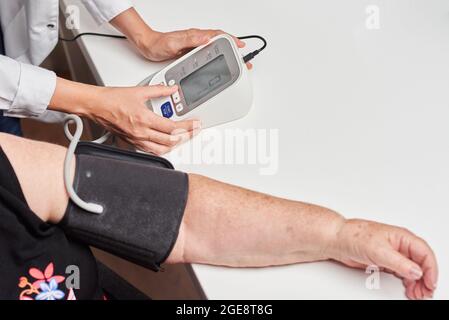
{"points": [[231, 104]]}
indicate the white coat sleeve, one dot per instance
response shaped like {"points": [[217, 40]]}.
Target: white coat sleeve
{"points": [[25, 90], [106, 10]]}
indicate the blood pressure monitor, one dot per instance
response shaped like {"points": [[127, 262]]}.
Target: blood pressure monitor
{"points": [[214, 85]]}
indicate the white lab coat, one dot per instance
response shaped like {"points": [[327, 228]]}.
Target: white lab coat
{"points": [[30, 31]]}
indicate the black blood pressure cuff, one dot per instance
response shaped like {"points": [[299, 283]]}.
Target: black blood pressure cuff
{"points": [[143, 198]]}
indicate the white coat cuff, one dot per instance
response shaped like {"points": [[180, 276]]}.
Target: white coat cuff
{"points": [[106, 10], [35, 90]]}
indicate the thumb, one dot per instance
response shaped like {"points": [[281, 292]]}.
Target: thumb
{"points": [[193, 39], [396, 262], [159, 91]]}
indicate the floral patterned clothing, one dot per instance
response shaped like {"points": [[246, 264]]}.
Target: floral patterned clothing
{"points": [[38, 262]]}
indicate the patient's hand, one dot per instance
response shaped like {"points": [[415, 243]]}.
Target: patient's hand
{"points": [[361, 243]]}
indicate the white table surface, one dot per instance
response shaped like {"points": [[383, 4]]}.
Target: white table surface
{"points": [[362, 118]]}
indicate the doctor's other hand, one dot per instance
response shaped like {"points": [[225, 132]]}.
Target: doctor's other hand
{"points": [[395, 250], [161, 46]]}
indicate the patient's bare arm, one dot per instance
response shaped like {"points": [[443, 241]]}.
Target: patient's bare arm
{"points": [[230, 226], [227, 225]]}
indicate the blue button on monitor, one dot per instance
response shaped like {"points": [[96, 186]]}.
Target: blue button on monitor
{"points": [[167, 110]]}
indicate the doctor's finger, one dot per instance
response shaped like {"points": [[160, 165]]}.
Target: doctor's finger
{"points": [[214, 33], [149, 146], [185, 136], [165, 125], [159, 91], [175, 138], [187, 125], [196, 37], [193, 38], [164, 139]]}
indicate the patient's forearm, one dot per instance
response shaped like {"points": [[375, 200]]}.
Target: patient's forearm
{"points": [[230, 226], [227, 225]]}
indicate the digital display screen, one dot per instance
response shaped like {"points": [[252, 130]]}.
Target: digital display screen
{"points": [[205, 80]]}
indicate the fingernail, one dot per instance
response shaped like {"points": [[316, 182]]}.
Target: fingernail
{"points": [[416, 273], [434, 286], [197, 124]]}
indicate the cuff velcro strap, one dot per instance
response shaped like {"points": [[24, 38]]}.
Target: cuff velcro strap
{"points": [[143, 199]]}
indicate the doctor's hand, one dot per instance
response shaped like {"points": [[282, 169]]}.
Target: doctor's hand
{"points": [[395, 250], [123, 111], [161, 46]]}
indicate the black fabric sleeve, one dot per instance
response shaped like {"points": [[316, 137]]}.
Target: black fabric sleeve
{"points": [[143, 199]]}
